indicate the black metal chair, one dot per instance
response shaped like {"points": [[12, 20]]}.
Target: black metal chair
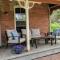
{"points": [[50, 36]]}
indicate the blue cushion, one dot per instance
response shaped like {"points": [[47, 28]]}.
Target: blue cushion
{"points": [[12, 36], [15, 35]]}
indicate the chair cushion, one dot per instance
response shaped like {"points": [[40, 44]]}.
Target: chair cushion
{"points": [[9, 32], [35, 32], [15, 35], [12, 41], [12, 34], [23, 31], [13, 38]]}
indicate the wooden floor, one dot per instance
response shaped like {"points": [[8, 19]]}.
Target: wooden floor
{"points": [[50, 57], [42, 50]]}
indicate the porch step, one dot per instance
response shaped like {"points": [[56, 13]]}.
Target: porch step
{"points": [[36, 53]]}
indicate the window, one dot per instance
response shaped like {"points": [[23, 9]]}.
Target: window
{"points": [[20, 18]]}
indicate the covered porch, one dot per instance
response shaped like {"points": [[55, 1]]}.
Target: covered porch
{"points": [[41, 51], [36, 17]]}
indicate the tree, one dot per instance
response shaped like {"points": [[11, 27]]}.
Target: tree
{"points": [[55, 16], [55, 20]]}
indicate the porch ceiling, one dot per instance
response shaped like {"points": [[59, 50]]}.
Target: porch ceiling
{"points": [[48, 1]]}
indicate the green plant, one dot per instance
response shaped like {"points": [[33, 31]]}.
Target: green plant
{"points": [[55, 17], [54, 26]]}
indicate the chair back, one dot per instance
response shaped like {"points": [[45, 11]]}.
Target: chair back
{"points": [[35, 32], [12, 34], [24, 32]]}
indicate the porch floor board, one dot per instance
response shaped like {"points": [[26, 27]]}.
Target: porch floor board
{"points": [[6, 54]]}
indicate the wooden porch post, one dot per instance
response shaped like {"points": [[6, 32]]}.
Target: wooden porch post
{"points": [[26, 7]]}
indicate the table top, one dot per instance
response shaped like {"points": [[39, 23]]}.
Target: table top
{"points": [[44, 37]]}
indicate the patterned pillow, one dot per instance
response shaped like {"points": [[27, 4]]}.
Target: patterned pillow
{"points": [[15, 35], [13, 38]]}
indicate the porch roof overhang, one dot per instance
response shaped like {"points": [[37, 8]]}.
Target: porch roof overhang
{"points": [[48, 1]]}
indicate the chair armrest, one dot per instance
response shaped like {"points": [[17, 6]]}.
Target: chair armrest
{"points": [[43, 34]]}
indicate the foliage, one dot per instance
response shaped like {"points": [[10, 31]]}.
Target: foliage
{"points": [[55, 16], [54, 26], [55, 20]]}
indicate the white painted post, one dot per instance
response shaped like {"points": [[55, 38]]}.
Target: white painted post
{"points": [[27, 24], [27, 21], [27, 18]]}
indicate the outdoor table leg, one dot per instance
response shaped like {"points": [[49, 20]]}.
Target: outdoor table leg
{"points": [[32, 42], [46, 41], [51, 41], [55, 40], [35, 42]]}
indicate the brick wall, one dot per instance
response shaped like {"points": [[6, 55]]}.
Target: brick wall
{"points": [[39, 17], [6, 21]]}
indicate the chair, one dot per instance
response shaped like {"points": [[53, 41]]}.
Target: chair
{"points": [[14, 37], [24, 35], [24, 32], [36, 35], [57, 33], [51, 36]]}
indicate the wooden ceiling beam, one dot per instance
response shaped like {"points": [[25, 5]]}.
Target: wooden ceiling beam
{"points": [[54, 6], [48, 1]]}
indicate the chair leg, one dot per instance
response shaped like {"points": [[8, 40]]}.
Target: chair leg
{"points": [[32, 42], [6, 45], [51, 41], [46, 41], [35, 41], [55, 39]]}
